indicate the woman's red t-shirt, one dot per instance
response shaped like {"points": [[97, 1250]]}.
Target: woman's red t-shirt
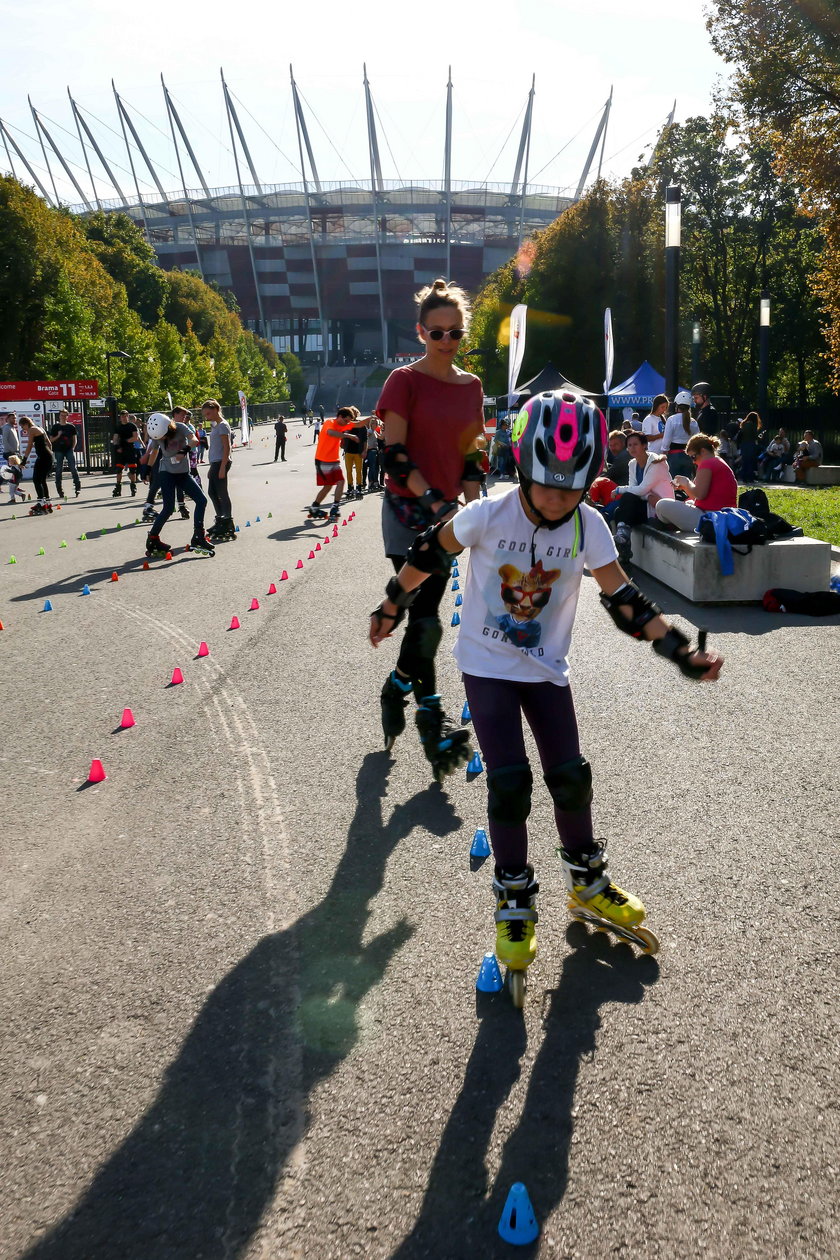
{"points": [[443, 419], [723, 489]]}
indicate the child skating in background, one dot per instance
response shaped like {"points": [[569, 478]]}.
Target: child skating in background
{"points": [[528, 550]]}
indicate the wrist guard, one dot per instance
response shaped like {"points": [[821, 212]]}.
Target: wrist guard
{"points": [[398, 464], [397, 595], [476, 466], [426, 553], [676, 647], [644, 609]]}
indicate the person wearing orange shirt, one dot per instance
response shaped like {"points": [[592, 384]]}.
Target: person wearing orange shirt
{"points": [[328, 472]]}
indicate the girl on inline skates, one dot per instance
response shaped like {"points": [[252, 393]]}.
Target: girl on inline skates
{"points": [[432, 414], [43, 466], [172, 442], [528, 549]]}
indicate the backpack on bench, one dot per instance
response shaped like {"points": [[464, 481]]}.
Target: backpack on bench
{"points": [[731, 529], [756, 503]]}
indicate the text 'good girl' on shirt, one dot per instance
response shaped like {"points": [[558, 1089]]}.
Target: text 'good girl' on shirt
{"points": [[519, 604], [443, 418], [174, 450]]}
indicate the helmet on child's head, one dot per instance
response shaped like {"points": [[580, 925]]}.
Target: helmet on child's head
{"points": [[559, 440], [157, 425], [683, 399]]}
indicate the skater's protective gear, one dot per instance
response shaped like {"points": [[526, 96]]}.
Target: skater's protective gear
{"points": [[393, 700], [644, 609], [446, 746], [399, 596], [157, 425], [570, 784], [589, 886], [422, 639], [398, 464], [516, 917], [559, 440], [509, 794], [677, 648], [426, 553]]}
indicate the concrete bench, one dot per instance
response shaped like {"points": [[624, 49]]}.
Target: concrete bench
{"points": [[692, 567], [825, 475]]}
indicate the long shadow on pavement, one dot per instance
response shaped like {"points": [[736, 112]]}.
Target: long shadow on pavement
{"points": [[198, 1171], [458, 1217]]}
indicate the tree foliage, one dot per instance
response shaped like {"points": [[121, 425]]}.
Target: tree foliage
{"points": [[785, 56], [73, 289]]}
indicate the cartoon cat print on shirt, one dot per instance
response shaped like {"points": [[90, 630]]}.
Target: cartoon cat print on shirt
{"points": [[525, 595]]}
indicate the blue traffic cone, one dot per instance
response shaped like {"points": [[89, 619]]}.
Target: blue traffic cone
{"points": [[258, 520], [456, 620], [489, 978], [466, 716], [48, 605], [456, 586], [475, 766], [247, 524], [459, 599], [86, 589], [480, 847], [518, 1224], [237, 529], [455, 571]]}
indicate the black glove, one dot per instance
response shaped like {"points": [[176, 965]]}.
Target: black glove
{"points": [[403, 600], [677, 648]]}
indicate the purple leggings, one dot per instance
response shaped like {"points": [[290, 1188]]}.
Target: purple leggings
{"points": [[497, 706]]}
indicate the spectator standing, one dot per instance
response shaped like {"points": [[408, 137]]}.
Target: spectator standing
{"points": [[354, 446], [280, 435], [678, 429], [370, 475], [203, 442], [654, 423], [63, 436], [714, 486], [316, 432], [635, 422], [747, 442], [706, 415], [10, 434]]}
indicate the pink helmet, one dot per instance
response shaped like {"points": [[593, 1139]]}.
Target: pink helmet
{"points": [[559, 440]]}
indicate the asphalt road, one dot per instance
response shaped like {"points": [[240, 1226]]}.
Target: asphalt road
{"points": [[239, 1014]]}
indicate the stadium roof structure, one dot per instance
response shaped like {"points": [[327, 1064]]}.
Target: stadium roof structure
{"points": [[340, 260]]}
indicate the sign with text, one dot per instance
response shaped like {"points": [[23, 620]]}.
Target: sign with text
{"points": [[62, 390]]}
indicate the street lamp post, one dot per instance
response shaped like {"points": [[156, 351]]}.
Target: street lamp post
{"points": [[673, 228], [763, 352], [111, 400], [696, 340]]}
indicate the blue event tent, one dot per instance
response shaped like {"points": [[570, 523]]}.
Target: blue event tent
{"points": [[639, 389]]}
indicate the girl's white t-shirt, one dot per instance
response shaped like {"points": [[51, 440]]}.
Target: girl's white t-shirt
{"points": [[519, 606]]}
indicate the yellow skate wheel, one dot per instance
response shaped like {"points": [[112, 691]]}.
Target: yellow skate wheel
{"points": [[516, 984], [648, 940]]}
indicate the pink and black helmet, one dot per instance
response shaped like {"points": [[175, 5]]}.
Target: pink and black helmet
{"points": [[559, 440]]}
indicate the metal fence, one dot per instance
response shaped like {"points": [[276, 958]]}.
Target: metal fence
{"points": [[98, 455]]}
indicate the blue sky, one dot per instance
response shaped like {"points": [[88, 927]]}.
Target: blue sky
{"points": [[652, 52]]}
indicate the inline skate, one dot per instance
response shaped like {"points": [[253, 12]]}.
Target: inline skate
{"points": [[223, 531], [185, 511], [148, 513], [393, 699], [202, 545], [446, 746], [315, 512], [156, 548], [516, 919], [594, 899]]}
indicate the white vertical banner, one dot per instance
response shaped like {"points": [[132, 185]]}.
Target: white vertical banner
{"points": [[516, 351], [243, 406], [609, 350]]}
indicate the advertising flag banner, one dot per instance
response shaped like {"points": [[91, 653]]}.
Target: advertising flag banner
{"points": [[516, 352], [609, 350], [243, 405]]}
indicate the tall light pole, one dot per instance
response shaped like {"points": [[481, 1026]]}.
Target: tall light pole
{"points": [[673, 229], [112, 402], [763, 352], [696, 341]]}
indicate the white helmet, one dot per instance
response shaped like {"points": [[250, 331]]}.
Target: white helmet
{"points": [[157, 425], [683, 399]]}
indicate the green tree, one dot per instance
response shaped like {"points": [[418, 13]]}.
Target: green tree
{"points": [[200, 376], [175, 376], [129, 259], [295, 382], [190, 301], [226, 371]]}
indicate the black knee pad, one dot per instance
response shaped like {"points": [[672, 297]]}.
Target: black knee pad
{"points": [[422, 637], [570, 784], [510, 793]]}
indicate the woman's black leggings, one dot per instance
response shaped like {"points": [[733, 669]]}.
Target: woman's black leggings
{"points": [[217, 488], [497, 706], [41, 470], [422, 634]]}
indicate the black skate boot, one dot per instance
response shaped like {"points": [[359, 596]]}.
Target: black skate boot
{"points": [[622, 544], [315, 512], [37, 509], [185, 511], [78, 491], [393, 699], [132, 485], [226, 531], [202, 545], [215, 529], [148, 513], [335, 512], [446, 746], [116, 492], [156, 547]]}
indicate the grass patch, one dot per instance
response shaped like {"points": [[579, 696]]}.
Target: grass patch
{"points": [[816, 510]]}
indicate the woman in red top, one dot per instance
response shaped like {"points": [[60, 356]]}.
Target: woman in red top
{"points": [[433, 413], [714, 486]]}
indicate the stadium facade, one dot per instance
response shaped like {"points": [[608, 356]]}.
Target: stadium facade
{"points": [[326, 269]]}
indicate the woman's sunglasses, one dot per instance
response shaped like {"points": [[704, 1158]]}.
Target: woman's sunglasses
{"points": [[438, 334]]}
